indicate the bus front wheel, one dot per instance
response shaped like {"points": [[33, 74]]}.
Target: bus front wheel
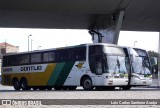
{"points": [[24, 84], [87, 83], [16, 84]]}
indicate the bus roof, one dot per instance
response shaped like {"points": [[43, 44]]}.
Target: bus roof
{"points": [[35, 51]]}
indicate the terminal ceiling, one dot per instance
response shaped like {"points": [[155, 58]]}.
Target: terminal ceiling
{"points": [[140, 15]]}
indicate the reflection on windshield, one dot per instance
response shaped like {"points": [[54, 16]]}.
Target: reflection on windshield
{"points": [[141, 65], [116, 64]]}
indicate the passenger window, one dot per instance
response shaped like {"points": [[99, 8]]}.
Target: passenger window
{"points": [[36, 58], [79, 54], [24, 59], [49, 56]]}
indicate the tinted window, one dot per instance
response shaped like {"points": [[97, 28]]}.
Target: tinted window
{"points": [[36, 58], [96, 59], [79, 54], [11, 60], [5, 61], [49, 56], [14, 60], [24, 59]]}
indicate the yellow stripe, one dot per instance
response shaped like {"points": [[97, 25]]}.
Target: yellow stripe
{"points": [[40, 79]]}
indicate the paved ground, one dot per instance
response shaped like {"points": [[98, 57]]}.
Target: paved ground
{"points": [[135, 93]]}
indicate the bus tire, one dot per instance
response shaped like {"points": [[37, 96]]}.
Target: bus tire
{"points": [[126, 87], [87, 83], [72, 87], [24, 84], [16, 84]]}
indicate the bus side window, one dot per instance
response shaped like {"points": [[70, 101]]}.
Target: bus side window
{"points": [[49, 57], [14, 60], [5, 61], [79, 54], [24, 59], [65, 55], [36, 58], [62, 55]]}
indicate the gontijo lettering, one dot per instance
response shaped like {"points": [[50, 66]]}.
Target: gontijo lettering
{"points": [[31, 68]]}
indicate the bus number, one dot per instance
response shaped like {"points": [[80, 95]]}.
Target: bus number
{"points": [[7, 69]]}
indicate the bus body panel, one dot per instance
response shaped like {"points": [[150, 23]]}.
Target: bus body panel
{"points": [[55, 74], [33, 77], [140, 82]]}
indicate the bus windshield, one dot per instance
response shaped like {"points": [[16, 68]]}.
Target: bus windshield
{"points": [[116, 60], [104, 59], [141, 66], [141, 63], [116, 64]]}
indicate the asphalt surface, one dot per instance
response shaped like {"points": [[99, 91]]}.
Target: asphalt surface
{"points": [[142, 93]]}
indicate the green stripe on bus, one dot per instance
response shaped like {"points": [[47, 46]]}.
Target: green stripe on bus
{"points": [[55, 73], [64, 73]]}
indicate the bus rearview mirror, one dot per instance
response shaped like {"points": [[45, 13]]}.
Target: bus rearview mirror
{"points": [[153, 61]]}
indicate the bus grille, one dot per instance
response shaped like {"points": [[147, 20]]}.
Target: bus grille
{"points": [[7, 79]]}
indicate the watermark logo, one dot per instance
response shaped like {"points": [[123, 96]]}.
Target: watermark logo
{"points": [[40, 102], [6, 102], [22, 102]]}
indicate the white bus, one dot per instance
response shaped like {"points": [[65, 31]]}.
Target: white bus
{"points": [[98, 65], [140, 73]]}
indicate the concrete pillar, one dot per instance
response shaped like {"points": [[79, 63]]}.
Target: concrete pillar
{"points": [[159, 62], [118, 27], [107, 28]]}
